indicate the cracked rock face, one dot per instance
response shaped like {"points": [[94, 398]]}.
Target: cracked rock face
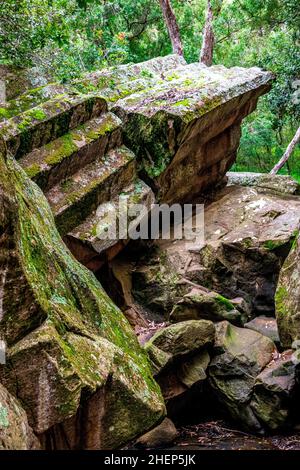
{"points": [[68, 344], [256, 385]]}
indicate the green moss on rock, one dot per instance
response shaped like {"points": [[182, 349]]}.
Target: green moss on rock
{"points": [[81, 337]]}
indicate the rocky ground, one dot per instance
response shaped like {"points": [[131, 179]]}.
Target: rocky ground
{"points": [[213, 316]]}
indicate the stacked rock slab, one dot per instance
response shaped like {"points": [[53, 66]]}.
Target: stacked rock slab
{"points": [[71, 146], [181, 121], [72, 359]]}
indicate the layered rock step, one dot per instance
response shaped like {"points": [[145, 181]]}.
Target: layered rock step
{"points": [[61, 158], [52, 119], [99, 239], [72, 200]]}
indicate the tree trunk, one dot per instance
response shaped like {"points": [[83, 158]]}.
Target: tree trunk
{"points": [[206, 54], [287, 153], [172, 26]]}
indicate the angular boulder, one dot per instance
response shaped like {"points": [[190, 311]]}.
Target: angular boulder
{"points": [[274, 398], [240, 355], [68, 345], [184, 337], [287, 298], [15, 432], [199, 304], [184, 123]]}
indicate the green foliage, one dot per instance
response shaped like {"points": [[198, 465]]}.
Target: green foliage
{"points": [[71, 37]]}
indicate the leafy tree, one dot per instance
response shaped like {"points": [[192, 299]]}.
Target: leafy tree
{"points": [[71, 37]]}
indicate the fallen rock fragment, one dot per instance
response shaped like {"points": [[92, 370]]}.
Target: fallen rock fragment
{"points": [[240, 355], [163, 434]]}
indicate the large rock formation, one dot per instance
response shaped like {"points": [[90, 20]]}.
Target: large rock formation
{"points": [[68, 345], [157, 131], [181, 121]]}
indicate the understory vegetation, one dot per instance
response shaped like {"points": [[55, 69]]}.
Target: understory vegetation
{"points": [[65, 38]]}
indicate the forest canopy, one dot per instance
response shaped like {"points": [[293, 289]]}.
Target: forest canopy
{"points": [[65, 38]]}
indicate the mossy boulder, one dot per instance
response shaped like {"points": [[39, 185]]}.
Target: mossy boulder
{"points": [[184, 337], [287, 298], [15, 432], [67, 342], [203, 304], [180, 356]]}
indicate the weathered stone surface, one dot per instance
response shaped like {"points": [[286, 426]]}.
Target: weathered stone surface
{"points": [[190, 119], [240, 355], [179, 356], [155, 279], [27, 99], [267, 326], [199, 304], [287, 298], [18, 80], [264, 182], [182, 121], [68, 345], [165, 433], [184, 337], [247, 238], [15, 432], [274, 392]]}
